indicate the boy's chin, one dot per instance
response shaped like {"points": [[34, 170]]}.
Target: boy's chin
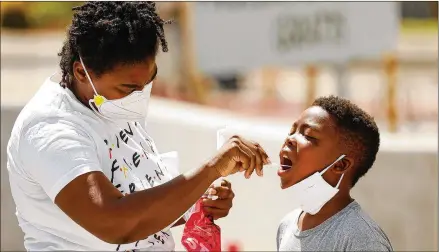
{"points": [[284, 184]]}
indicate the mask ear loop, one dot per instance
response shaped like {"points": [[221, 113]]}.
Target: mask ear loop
{"points": [[339, 181], [88, 76], [98, 99], [327, 168]]}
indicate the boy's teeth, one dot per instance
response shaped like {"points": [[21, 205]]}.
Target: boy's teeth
{"points": [[285, 167]]}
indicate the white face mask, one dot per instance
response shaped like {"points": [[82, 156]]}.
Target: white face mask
{"points": [[312, 193], [133, 107]]}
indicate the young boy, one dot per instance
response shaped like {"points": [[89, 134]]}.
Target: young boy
{"points": [[331, 146]]}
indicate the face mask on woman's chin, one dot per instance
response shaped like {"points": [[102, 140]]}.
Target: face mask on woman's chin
{"points": [[312, 193], [133, 107]]}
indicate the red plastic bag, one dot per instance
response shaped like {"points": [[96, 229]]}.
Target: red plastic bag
{"points": [[200, 233]]}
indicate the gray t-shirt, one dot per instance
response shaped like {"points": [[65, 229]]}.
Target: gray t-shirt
{"points": [[351, 229]]}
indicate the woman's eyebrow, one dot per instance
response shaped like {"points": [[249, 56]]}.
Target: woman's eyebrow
{"points": [[132, 85]]}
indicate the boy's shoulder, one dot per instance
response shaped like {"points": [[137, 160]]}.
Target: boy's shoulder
{"points": [[358, 221], [351, 229], [362, 232]]}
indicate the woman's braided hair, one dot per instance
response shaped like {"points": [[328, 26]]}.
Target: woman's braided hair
{"points": [[107, 34]]}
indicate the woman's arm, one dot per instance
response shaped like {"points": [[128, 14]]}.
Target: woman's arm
{"points": [[93, 202], [181, 221]]}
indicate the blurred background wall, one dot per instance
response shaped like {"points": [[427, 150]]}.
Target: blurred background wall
{"points": [[397, 84]]}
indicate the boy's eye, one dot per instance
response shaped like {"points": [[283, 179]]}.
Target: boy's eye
{"points": [[309, 137]]}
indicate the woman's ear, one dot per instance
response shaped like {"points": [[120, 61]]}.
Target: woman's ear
{"points": [[79, 73], [343, 165]]}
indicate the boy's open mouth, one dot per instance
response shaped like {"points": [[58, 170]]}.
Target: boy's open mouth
{"points": [[285, 163]]}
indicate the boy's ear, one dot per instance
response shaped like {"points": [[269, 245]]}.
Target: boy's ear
{"points": [[343, 165]]}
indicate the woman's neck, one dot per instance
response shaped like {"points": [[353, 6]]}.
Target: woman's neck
{"points": [[74, 88]]}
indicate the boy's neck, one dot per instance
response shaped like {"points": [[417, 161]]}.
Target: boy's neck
{"points": [[335, 205]]}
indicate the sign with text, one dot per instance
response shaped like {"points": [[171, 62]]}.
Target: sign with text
{"points": [[234, 37]]}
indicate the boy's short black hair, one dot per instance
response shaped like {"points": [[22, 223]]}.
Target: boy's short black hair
{"points": [[107, 33], [359, 134]]}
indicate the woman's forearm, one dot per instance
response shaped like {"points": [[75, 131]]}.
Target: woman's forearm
{"points": [[156, 208], [180, 222]]}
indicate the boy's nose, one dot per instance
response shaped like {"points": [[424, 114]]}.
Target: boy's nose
{"points": [[291, 142]]}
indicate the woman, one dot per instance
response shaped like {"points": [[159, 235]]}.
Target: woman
{"points": [[85, 174]]}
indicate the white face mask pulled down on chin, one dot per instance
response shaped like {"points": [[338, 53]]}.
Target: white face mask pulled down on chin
{"points": [[133, 107], [312, 193]]}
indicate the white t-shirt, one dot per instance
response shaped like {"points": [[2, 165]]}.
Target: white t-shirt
{"points": [[56, 139]]}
